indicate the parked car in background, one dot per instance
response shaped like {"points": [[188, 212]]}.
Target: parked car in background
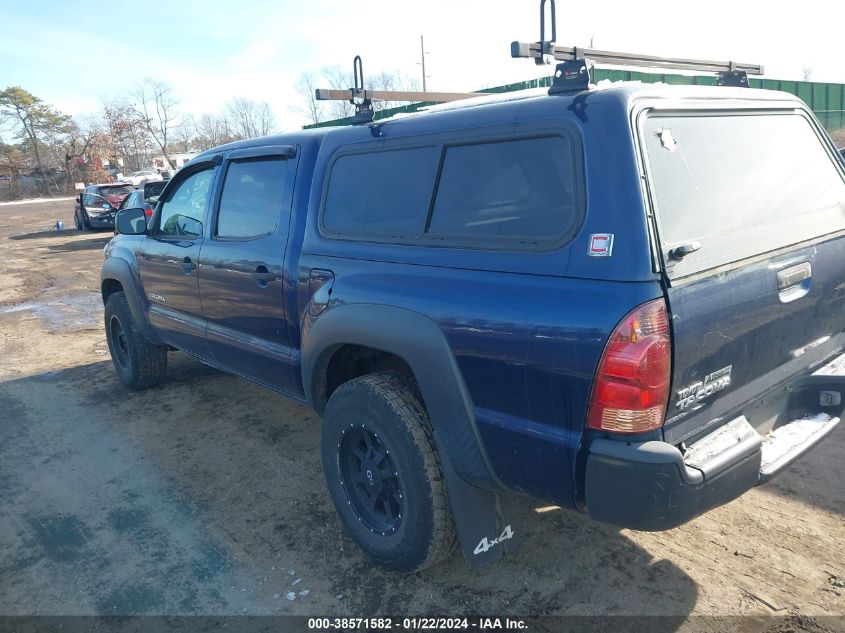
{"points": [[136, 178], [152, 190], [144, 198], [135, 200], [97, 204]]}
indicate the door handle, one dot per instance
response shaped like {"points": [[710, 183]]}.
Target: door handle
{"points": [[794, 282], [188, 266], [789, 277], [262, 276]]}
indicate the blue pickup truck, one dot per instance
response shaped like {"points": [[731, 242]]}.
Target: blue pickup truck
{"points": [[628, 300]]}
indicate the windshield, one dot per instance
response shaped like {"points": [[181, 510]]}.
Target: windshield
{"points": [[116, 191], [740, 183]]}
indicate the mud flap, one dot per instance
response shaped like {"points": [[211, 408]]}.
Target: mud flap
{"points": [[484, 519]]}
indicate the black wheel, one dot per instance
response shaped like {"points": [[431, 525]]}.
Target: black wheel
{"points": [[383, 473], [139, 363]]}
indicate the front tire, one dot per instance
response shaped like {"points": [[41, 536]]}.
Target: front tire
{"points": [[79, 224], [139, 363], [383, 474]]}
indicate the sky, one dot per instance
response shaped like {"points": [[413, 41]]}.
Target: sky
{"points": [[75, 55]]}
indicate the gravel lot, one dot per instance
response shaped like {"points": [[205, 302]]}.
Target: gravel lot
{"points": [[205, 495]]}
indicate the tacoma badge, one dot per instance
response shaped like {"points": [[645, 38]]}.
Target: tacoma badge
{"points": [[698, 391]]}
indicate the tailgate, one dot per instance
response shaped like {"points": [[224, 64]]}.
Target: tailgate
{"points": [[750, 218]]}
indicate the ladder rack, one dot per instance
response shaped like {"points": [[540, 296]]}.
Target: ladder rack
{"points": [[571, 75], [571, 53], [363, 99], [574, 74], [394, 95]]}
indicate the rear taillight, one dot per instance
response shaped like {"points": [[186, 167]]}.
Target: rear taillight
{"points": [[148, 212], [632, 382]]}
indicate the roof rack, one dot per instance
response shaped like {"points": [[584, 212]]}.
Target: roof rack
{"points": [[574, 73], [363, 99]]}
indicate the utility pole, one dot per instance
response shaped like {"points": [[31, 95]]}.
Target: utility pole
{"points": [[422, 60]]}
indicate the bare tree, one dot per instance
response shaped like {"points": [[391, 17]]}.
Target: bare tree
{"points": [[126, 128], [184, 134], [306, 88], [81, 149], [211, 131], [336, 78], [391, 81], [250, 118], [157, 105]]}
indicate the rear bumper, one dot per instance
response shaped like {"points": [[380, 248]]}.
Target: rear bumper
{"points": [[652, 486]]}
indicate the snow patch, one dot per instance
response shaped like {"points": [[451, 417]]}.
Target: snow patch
{"points": [[781, 444], [31, 200], [836, 367]]}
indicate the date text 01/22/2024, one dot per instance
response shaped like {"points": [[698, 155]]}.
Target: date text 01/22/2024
{"points": [[417, 624]]}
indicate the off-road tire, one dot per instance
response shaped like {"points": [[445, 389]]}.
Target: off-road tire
{"points": [[389, 406], [139, 363]]}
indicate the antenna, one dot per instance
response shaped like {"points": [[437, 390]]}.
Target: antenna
{"points": [[573, 74]]}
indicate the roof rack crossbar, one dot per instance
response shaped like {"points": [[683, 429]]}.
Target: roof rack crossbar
{"points": [[363, 99], [570, 53], [395, 95]]}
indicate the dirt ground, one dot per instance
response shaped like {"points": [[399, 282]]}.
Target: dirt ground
{"points": [[205, 495]]}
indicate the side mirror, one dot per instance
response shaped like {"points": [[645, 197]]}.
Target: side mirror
{"points": [[130, 222]]}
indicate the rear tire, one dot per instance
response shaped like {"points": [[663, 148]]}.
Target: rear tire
{"points": [[139, 363], [383, 474]]}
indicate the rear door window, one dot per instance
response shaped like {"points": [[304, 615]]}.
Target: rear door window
{"points": [[740, 184], [252, 198]]}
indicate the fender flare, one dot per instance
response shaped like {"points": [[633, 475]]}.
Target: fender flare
{"points": [[115, 268], [420, 342]]}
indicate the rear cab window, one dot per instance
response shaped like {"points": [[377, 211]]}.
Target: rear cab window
{"points": [[512, 193], [522, 190], [739, 183], [381, 193]]}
